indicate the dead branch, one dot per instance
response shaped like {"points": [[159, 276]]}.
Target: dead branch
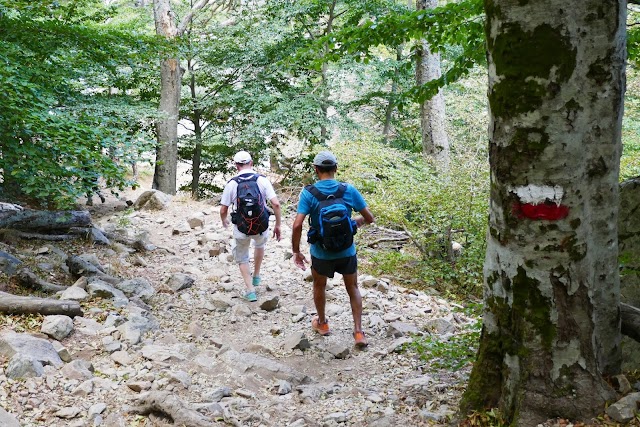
{"points": [[47, 237], [388, 239], [79, 267], [14, 304], [172, 406], [630, 321], [28, 279]]}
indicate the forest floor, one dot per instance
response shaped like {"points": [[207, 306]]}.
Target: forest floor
{"points": [[242, 363]]}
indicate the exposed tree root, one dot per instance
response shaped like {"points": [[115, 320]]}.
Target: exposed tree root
{"points": [[28, 279], [171, 406]]}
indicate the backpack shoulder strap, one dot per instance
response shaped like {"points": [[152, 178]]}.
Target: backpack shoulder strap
{"points": [[342, 188], [316, 193], [245, 177]]}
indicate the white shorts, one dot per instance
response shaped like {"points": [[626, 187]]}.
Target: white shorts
{"points": [[241, 250]]}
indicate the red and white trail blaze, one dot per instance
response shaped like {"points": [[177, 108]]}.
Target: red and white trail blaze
{"points": [[539, 202]]}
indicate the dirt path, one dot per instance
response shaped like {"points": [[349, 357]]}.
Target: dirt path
{"points": [[264, 356]]}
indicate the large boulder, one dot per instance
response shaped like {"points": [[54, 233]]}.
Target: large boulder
{"points": [[152, 200]]}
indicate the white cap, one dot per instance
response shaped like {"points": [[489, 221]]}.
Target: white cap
{"points": [[242, 157]]}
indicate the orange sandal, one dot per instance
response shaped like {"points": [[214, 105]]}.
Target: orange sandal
{"points": [[361, 340], [321, 328]]}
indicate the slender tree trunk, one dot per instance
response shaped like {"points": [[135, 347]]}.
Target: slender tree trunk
{"points": [[388, 114], [196, 117], [164, 178], [435, 142], [551, 325], [324, 101]]}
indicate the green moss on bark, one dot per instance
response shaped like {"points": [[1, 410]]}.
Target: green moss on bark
{"points": [[517, 326], [532, 307], [520, 57]]}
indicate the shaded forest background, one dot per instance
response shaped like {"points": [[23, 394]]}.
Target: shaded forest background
{"points": [[81, 87]]}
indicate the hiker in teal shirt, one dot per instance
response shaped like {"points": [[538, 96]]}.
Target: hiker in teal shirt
{"points": [[325, 263]]}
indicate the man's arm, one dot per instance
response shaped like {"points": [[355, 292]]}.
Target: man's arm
{"points": [[275, 204], [224, 212], [298, 258], [366, 218]]}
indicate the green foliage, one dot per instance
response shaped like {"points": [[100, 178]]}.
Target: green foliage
{"points": [[630, 160], [242, 97], [60, 124], [404, 192], [633, 35], [451, 353], [458, 24]]}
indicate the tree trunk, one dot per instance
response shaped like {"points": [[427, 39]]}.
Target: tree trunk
{"points": [[197, 131], [34, 220], [551, 325], [388, 114], [324, 100], [435, 142], [164, 178], [14, 304]]}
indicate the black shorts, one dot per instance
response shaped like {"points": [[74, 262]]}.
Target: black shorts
{"points": [[328, 267]]}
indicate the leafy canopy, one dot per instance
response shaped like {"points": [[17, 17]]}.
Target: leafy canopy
{"points": [[65, 102]]}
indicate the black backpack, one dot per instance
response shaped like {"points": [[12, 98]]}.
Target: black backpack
{"points": [[251, 215], [336, 228]]}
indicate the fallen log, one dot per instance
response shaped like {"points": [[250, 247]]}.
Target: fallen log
{"points": [[40, 236], [630, 321], [15, 304], [35, 220], [172, 406], [28, 279]]}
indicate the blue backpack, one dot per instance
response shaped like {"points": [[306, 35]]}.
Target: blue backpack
{"points": [[336, 228], [251, 215]]}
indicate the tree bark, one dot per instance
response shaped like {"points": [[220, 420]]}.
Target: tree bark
{"points": [[196, 119], [166, 169], [34, 220], [435, 142], [324, 99], [551, 326], [14, 304], [165, 174], [391, 105]]}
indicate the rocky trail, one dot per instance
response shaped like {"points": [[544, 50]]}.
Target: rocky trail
{"points": [[172, 342]]}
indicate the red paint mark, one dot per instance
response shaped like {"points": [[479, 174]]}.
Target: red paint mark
{"points": [[548, 211]]}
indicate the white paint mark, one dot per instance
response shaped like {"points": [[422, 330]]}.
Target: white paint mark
{"points": [[537, 194]]}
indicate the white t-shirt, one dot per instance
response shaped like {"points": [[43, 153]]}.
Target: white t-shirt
{"points": [[229, 194]]}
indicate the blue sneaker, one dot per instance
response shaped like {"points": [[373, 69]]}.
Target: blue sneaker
{"points": [[251, 296], [256, 280]]}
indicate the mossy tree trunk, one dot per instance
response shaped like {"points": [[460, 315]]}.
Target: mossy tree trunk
{"points": [[551, 326]]}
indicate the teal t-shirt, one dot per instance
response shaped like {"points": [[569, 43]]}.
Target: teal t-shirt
{"points": [[308, 205]]}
